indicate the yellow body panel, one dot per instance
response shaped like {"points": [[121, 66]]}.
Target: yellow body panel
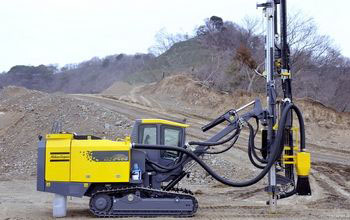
{"points": [[57, 164], [59, 136], [72, 160], [165, 122], [100, 161], [303, 163]]}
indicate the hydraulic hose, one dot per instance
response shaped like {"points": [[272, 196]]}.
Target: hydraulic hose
{"points": [[164, 169], [157, 166], [213, 143], [251, 146], [206, 167], [287, 194], [301, 127], [275, 153], [238, 131], [251, 150]]}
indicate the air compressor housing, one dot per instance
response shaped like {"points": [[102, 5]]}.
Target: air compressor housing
{"points": [[68, 164]]}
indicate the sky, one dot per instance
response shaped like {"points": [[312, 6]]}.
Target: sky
{"points": [[34, 32]]}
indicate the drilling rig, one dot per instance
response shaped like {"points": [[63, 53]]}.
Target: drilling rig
{"points": [[138, 176]]}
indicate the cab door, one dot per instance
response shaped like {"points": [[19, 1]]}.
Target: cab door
{"points": [[159, 134], [171, 136], [149, 134]]}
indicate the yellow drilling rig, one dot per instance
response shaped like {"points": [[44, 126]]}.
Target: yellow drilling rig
{"points": [[138, 176]]}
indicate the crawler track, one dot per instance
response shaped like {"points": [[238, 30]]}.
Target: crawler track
{"points": [[112, 211]]}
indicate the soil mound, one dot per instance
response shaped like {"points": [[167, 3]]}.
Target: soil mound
{"points": [[119, 87], [25, 114], [181, 91]]}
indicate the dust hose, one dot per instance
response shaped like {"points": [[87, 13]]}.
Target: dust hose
{"points": [[275, 153]]}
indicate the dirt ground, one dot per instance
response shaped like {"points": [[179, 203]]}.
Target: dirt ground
{"points": [[330, 176], [19, 200]]}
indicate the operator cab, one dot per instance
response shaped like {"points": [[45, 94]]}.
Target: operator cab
{"points": [[159, 132]]}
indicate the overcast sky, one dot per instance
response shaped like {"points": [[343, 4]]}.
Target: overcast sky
{"points": [[37, 32]]}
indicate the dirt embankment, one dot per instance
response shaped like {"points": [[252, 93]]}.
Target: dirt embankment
{"points": [[25, 114], [326, 129], [182, 93]]}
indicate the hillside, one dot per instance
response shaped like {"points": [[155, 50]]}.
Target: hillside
{"points": [[211, 58], [183, 93], [190, 56], [90, 76]]}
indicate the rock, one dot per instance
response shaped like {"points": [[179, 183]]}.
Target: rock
{"points": [[198, 192], [118, 123], [107, 126]]}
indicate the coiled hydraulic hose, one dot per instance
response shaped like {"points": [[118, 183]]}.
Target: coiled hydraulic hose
{"points": [[275, 153]]}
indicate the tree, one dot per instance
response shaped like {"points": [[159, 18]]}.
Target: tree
{"points": [[308, 46], [309, 49], [218, 34], [164, 41], [247, 64], [105, 62], [211, 25]]}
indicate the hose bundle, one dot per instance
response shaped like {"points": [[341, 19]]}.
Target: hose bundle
{"points": [[275, 147]]}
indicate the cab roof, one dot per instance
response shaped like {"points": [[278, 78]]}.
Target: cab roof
{"points": [[164, 122]]}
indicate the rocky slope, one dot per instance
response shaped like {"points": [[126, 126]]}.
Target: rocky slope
{"points": [[25, 114]]}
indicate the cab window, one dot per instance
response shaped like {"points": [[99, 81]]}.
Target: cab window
{"points": [[149, 135], [171, 137]]}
